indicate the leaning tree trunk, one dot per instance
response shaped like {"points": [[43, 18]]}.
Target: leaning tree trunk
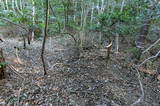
{"points": [[145, 28], [143, 33], [140, 43], [2, 65]]}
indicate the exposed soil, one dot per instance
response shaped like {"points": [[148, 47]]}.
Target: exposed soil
{"points": [[75, 78]]}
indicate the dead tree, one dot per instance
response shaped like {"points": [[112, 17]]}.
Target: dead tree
{"points": [[45, 36]]}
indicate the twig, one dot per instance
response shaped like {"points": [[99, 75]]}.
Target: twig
{"points": [[142, 90], [149, 59], [151, 46]]}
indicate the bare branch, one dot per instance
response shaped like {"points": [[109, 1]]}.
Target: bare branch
{"points": [[151, 46], [149, 59]]}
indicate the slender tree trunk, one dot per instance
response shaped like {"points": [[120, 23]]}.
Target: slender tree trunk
{"points": [[75, 9], [13, 6], [122, 6], [92, 11], [43, 12], [66, 11], [45, 36], [33, 18], [6, 2], [20, 4], [65, 14], [82, 12], [17, 7], [16, 4]]}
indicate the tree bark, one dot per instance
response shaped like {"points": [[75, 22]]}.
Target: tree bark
{"points": [[2, 65], [143, 33], [45, 36]]}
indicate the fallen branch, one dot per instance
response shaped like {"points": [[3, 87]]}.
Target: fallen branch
{"points": [[149, 59], [151, 46], [72, 36], [141, 87], [15, 70]]}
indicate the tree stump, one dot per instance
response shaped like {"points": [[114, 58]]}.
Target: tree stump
{"points": [[2, 65]]}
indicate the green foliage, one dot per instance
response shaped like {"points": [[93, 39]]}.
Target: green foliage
{"points": [[127, 22], [118, 22], [3, 64], [112, 20], [135, 52]]}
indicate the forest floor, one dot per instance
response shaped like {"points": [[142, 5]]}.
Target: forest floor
{"points": [[75, 78]]}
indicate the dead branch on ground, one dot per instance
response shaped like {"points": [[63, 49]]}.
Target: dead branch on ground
{"points": [[15, 71], [72, 36], [141, 87], [155, 56], [151, 46]]}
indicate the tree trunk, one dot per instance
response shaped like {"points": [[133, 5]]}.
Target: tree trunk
{"points": [[2, 65], [45, 36], [143, 33]]}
